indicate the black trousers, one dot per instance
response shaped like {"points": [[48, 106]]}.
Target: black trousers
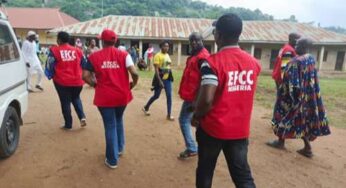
{"points": [[235, 152]]}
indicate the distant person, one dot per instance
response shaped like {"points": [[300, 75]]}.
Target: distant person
{"points": [[112, 91], [92, 48], [286, 53], [122, 47], [134, 54], [32, 61], [149, 56], [141, 64], [299, 112], [224, 106], [64, 66], [163, 79], [188, 90]]}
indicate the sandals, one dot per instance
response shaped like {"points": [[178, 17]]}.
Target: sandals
{"points": [[305, 153], [187, 154], [276, 144]]}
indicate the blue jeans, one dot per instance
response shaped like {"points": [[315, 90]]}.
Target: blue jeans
{"points": [[68, 95], [114, 132], [157, 92], [235, 152], [185, 126]]}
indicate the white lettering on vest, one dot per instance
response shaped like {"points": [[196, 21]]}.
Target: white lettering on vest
{"points": [[240, 81], [68, 55], [110, 65]]}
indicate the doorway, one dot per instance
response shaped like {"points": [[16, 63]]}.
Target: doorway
{"points": [[274, 54], [340, 61]]}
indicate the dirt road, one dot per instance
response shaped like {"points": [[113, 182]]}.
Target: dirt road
{"points": [[49, 157]]}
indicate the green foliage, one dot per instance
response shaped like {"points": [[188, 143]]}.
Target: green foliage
{"points": [[336, 29], [89, 9]]}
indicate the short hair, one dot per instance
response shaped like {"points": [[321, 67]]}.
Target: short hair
{"points": [[195, 36], [229, 26], [162, 43], [63, 36], [72, 41]]}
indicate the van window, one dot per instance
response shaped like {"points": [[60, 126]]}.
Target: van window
{"points": [[8, 48]]}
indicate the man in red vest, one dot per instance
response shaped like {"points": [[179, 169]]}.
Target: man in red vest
{"points": [[224, 105], [189, 86], [108, 71], [286, 53], [64, 64]]}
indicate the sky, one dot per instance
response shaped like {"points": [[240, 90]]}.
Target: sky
{"points": [[325, 12]]}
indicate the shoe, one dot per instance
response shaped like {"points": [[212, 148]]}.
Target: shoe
{"points": [[65, 128], [83, 122], [187, 154], [146, 112], [109, 165], [121, 153], [30, 90], [170, 118], [39, 87]]}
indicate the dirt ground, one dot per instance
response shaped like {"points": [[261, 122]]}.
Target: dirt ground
{"points": [[49, 157]]}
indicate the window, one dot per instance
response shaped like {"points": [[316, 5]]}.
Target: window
{"points": [[185, 49], [258, 53], [325, 56], [8, 48]]}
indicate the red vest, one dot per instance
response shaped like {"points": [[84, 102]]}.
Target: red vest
{"points": [[237, 72], [191, 79], [112, 78], [68, 70], [276, 74]]}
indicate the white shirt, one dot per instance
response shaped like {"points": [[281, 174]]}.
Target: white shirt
{"points": [[29, 53], [122, 48]]}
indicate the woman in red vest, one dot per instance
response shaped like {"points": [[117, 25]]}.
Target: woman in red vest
{"points": [[64, 65], [107, 71], [188, 89]]}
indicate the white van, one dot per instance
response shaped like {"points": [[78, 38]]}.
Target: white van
{"points": [[13, 89]]}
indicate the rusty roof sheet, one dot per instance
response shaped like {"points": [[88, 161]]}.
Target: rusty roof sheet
{"points": [[139, 27], [37, 18], [278, 31]]}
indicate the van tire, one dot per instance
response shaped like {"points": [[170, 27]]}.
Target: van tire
{"points": [[9, 133]]}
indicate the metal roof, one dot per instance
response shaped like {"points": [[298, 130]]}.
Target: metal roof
{"points": [[37, 18], [143, 27], [278, 31], [139, 27]]}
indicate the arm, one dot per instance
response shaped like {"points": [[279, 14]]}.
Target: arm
{"points": [[157, 74], [205, 99], [25, 53], [88, 75], [132, 70]]}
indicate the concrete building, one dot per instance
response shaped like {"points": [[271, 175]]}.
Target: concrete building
{"points": [[263, 39], [39, 20]]}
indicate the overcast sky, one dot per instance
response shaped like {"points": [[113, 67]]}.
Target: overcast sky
{"points": [[325, 12]]}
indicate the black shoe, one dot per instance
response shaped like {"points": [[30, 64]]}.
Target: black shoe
{"points": [[39, 87], [30, 90]]}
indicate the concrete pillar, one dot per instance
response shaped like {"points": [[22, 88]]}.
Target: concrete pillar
{"points": [[179, 53], [100, 44], [140, 48], [215, 47], [253, 50], [320, 61]]}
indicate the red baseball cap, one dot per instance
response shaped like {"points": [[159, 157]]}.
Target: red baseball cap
{"points": [[108, 35]]}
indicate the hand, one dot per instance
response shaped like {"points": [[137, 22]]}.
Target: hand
{"points": [[132, 85], [27, 65], [161, 84], [194, 122]]}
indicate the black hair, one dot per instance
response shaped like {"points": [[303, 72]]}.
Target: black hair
{"points": [[162, 43], [195, 36], [63, 36], [229, 26], [72, 41]]}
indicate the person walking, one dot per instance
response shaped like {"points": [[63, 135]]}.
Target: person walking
{"points": [[163, 79], [64, 66], [111, 68], [32, 61], [299, 112], [224, 106], [188, 90]]}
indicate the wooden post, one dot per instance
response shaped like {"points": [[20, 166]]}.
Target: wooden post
{"points": [[179, 53]]}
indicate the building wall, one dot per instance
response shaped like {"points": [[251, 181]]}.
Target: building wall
{"points": [[43, 37]]}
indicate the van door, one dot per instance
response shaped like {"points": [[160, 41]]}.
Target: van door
{"points": [[12, 68]]}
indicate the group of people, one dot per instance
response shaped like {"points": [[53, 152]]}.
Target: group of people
{"points": [[217, 92]]}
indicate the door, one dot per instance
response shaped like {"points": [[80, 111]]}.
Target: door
{"points": [[274, 54], [339, 61]]}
